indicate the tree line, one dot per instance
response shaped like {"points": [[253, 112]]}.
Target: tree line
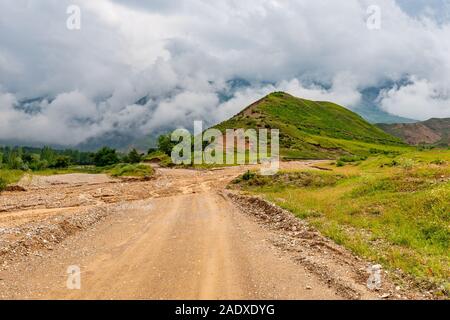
{"points": [[35, 159]]}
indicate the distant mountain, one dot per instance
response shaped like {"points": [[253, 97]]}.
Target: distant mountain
{"points": [[124, 139], [433, 131], [117, 140], [313, 129], [369, 109]]}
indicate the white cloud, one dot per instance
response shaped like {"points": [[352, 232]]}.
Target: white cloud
{"points": [[181, 55], [412, 99]]}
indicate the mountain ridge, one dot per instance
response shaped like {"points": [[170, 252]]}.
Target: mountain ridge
{"points": [[434, 131]]}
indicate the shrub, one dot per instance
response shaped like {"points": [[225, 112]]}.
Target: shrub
{"points": [[132, 170], [61, 162], [165, 144], [393, 163], [352, 158], [38, 165], [248, 175], [105, 157], [340, 163], [407, 163], [439, 162], [134, 156], [15, 163]]}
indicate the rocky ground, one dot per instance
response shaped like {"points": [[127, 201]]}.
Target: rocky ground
{"points": [[178, 235]]}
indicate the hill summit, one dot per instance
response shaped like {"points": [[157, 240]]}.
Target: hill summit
{"points": [[313, 129]]}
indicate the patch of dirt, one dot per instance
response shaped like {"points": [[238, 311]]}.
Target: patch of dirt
{"points": [[41, 182], [14, 188], [43, 235]]}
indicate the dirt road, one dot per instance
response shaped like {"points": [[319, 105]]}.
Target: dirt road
{"points": [[174, 237]]}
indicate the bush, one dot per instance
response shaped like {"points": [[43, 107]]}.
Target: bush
{"points": [[61, 162], [105, 157], [352, 158], [340, 163], [165, 144], [131, 170], [16, 163], [134, 156], [438, 162], [248, 175], [160, 158], [38, 165]]}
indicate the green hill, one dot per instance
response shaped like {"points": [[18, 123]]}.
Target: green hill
{"points": [[313, 129]]}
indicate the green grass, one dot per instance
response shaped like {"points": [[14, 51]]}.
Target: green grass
{"points": [[315, 130], [131, 170], [159, 157], [72, 169], [9, 177], [397, 215]]}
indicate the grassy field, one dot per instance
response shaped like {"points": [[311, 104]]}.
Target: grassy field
{"points": [[9, 176], [394, 210]]}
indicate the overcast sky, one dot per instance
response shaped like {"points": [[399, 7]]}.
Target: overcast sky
{"points": [[182, 54]]}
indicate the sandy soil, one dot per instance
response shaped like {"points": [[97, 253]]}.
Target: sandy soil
{"points": [[174, 237]]}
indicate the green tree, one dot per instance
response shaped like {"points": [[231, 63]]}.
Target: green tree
{"points": [[105, 157], [16, 163], [27, 157], [165, 144], [61, 162], [134, 156], [48, 155], [36, 163]]}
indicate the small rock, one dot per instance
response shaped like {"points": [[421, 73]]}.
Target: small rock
{"points": [[308, 288], [385, 296]]}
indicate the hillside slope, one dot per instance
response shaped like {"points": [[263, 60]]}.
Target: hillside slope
{"points": [[313, 130], [433, 131]]}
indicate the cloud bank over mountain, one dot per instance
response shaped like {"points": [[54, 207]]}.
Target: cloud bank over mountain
{"points": [[137, 67]]}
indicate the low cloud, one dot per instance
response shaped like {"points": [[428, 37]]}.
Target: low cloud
{"points": [[138, 67], [410, 100]]}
